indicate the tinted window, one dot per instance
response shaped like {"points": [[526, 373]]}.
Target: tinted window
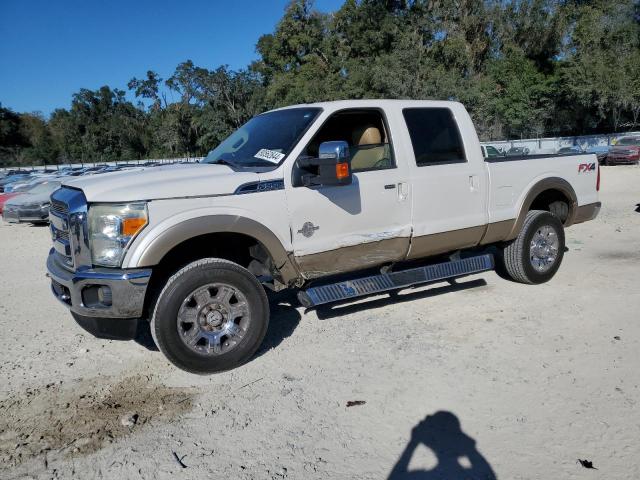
{"points": [[434, 136]]}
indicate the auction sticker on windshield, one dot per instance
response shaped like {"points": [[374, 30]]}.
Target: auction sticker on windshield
{"points": [[269, 155]]}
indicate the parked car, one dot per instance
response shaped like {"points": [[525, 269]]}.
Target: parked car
{"points": [[27, 183], [572, 150], [12, 178], [111, 168], [517, 151], [625, 151], [600, 151], [6, 196], [314, 198], [31, 206], [489, 151]]}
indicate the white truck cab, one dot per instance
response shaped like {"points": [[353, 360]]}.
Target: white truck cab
{"points": [[337, 200]]}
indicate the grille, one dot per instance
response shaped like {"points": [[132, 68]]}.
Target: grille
{"points": [[67, 214], [58, 207], [60, 236]]}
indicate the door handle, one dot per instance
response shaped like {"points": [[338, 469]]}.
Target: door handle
{"points": [[390, 186]]}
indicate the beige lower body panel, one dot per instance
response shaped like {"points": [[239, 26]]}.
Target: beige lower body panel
{"points": [[372, 254], [497, 231], [436, 243], [354, 257]]}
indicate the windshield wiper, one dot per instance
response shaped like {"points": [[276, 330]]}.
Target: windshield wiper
{"points": [[224, 161]]}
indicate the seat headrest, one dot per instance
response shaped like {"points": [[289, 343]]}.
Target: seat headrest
{"points": [[367, 135]]}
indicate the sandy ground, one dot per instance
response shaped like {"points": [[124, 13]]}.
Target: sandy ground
{"points": [[506, 380]]}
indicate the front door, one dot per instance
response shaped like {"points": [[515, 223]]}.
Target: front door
{"points": [[338, 229]]}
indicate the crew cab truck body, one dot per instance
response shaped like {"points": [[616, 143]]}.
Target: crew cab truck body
{"points": [[334, 199]]}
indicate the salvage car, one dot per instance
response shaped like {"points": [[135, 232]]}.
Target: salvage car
{"points": [[32, 206], [7, 196], [575, 149], [625, 151], [336, 200], [600, 151], [489, 151], [517, 151], [13, 178]]}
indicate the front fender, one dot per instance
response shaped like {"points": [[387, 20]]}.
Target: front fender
{"points": [[149, 249]]}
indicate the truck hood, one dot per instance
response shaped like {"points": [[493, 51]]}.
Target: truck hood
{"points": [[153, 183]]}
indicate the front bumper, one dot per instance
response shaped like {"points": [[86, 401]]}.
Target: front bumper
{"points": [[99, 292]]}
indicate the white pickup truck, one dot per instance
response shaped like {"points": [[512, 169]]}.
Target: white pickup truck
{"points": [[338, 200]]}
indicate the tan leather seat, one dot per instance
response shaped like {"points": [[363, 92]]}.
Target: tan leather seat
{"points": [[367, 151]]}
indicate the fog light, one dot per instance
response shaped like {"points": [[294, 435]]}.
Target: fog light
{"points": [[104, 295], [96, 296]]}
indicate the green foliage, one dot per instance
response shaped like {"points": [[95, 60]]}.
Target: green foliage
{"points": [[523, 68]]}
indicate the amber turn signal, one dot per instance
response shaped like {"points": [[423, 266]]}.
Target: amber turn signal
{"points": [[342, 170], [131, 226]]}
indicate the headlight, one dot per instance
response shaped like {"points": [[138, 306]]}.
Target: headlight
{"points": [[112, 227]]}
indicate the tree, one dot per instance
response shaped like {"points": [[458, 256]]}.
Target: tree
{"points": [[41, 149], [12, 139], [601, 68], [521, 67]]}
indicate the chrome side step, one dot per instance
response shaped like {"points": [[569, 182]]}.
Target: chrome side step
{"points": [[360, 287]]}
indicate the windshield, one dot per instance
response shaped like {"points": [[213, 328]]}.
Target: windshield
{"points": [[264, 140], [629, 141], [45, 187]]}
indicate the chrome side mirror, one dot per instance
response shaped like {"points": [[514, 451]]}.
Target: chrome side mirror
{"points": [[331, 168]]}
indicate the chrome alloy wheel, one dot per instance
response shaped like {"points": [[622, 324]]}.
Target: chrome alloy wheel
{"points": [[213, 319], [544, 247]]}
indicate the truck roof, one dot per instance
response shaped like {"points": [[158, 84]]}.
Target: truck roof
{"points": [[374, 102]]}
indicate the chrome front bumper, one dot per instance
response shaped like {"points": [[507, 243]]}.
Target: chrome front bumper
{"points": [[99, 292]]}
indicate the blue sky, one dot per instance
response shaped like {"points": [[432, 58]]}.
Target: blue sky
{"points": [[49, 49]]}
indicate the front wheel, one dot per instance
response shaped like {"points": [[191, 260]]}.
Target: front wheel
{"points": [[211, 316], [534, 256]]}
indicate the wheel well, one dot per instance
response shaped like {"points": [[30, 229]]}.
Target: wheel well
{"points": [[242, 249], [545, 199]]}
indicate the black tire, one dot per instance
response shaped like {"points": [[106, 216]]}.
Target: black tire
{"points": [[197, 275], [516, 256]]}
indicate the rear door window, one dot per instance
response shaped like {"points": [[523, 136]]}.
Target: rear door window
{"points": [[434, 136]]}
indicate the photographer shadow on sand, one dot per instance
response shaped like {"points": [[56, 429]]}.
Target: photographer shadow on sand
{"points": [[456, 453]]}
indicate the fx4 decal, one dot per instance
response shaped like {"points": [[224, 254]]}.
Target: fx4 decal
{"points": [[586, 167]]}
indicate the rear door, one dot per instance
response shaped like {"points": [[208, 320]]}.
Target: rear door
{"points": [[448, 180]]}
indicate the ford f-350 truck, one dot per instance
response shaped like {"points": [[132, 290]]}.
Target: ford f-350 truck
{"points": [[337, 200]]}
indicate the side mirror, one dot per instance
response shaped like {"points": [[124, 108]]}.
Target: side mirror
{"points": [[331, 168]]}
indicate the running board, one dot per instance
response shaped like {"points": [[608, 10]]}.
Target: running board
{"points": [[384, 282]]}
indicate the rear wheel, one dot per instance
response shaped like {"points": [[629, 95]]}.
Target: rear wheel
{"points": [[211, 316], [535, 255]]}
